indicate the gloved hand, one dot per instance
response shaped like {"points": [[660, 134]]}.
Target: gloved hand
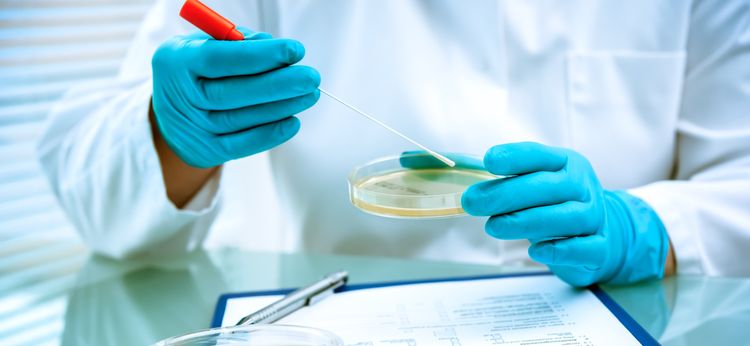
{"points": [[585, 234], [215, 101]]}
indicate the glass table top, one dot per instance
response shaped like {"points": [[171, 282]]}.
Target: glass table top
{"points": [[96, 301]]}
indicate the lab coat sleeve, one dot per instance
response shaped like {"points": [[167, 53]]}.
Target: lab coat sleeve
{"points": [[706, 208], [99, 158]]}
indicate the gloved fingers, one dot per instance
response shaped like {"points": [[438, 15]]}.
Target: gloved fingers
{"points": [[234, 120], [501, 196], [523, 158], [258, 139], [216, 59], [576, 276], [242, 91], [258, 36], [253, 35], [195, 35], [420, 159], [567, 219], [248, 33], [589, 252]]}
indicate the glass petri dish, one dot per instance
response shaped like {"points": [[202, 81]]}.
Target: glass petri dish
{"points": [[256, 335], [415, 186]]}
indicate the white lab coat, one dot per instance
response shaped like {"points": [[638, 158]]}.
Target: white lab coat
{"points": [[655, 94]]}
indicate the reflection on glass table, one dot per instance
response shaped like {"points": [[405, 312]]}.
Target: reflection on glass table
{"points": [[105, 302]]}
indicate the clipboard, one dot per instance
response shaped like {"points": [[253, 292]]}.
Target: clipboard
{"points": [[622, 316]]}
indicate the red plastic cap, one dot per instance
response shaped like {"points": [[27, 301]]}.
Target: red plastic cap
{"points": [[209, 21]]}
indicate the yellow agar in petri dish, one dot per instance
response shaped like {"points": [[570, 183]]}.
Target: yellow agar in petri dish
{"points": [[386, 188]]}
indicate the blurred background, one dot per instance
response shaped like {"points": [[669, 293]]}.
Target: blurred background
{"points": [[46, 46]]}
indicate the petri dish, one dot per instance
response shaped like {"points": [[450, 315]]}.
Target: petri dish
{"points": [[415, 186], [256, 335]]}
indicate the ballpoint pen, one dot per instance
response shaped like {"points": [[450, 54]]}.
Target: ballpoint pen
{"points": [[294, 301]]}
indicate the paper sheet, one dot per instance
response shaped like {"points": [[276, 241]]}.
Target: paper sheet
{"points": [[529, 310]]}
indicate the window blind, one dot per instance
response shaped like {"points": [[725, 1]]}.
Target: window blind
{"points": [[46, 47]]}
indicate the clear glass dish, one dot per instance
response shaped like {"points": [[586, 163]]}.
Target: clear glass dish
{"points": [[415, 185], [256, 335]]}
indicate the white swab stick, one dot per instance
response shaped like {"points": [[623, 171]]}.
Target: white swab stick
{"points": [[437, 155]]}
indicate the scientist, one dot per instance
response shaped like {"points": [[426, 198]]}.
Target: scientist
{"points": [[625, 124]]}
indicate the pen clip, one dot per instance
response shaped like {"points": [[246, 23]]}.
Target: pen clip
{"points": [[320, 296], [325, 293]]}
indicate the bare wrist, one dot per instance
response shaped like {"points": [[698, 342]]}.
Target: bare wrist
{"points": [[181, 180]]}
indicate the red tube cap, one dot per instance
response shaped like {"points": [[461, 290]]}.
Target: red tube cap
{"points": [[209, 21]]}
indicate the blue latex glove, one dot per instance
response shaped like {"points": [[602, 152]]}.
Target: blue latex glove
{"points": [[216, 101], [585, 234]]}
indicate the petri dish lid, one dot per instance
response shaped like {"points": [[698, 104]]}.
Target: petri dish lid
{"points": [[415, 185], [256, 335]]}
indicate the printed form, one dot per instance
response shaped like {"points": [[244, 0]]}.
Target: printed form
{"points": [[525, 310]]}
